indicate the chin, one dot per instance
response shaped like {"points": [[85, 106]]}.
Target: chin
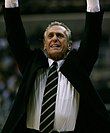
{"points": [[56, 55]]}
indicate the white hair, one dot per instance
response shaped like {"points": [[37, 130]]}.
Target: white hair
{"points": [[68, 31]]}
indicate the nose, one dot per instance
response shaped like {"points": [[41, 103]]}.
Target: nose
{"points": [[55, 38]]}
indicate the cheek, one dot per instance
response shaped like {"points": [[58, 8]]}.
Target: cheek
{"points": [[65, 46]]}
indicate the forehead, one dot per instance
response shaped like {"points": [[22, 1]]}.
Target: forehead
{"points": [[56, 28]]}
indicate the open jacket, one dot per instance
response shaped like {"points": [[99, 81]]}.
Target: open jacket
{"points": [[92, 116]]}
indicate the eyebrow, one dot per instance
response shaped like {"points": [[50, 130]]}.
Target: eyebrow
{"points": [[56, 33]]}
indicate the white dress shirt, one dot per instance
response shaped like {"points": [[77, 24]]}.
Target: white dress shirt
{"points": [[67, 101]]}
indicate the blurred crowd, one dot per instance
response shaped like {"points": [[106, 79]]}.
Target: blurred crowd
{"points": [[9, 80]]}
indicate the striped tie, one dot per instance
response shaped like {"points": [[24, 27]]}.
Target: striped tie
{"points": [[49, 100]]}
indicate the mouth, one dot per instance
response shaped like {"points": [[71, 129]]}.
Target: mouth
{"points": [[55, 46]]}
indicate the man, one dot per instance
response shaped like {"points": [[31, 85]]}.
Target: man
{"points": [[78, 107]]}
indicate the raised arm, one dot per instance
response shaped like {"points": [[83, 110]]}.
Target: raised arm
{"points": [[89, 47], [16, 34]]}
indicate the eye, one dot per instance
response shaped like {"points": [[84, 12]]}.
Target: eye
{"points": [[59, 35], [50, 35]]}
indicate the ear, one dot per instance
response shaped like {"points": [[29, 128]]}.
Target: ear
{"points": [[69, 45], [44, 47], [44, 44]]}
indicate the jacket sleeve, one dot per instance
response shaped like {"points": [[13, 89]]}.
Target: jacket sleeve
{"points": [[89, 47], [16, 36], [84, 59]]}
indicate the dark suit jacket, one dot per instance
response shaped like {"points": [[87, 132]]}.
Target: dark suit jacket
{"points": [[92, 116]]}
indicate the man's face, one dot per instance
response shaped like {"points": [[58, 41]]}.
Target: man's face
{"points": [[56, 42]]}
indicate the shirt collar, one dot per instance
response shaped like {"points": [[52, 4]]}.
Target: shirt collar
{"points": [[60, 62]]}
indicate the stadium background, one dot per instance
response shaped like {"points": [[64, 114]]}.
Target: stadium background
{"points": [[36, 15]]}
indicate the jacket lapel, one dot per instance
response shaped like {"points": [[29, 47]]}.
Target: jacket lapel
{"points": [[92, 111], [18, 110]]}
